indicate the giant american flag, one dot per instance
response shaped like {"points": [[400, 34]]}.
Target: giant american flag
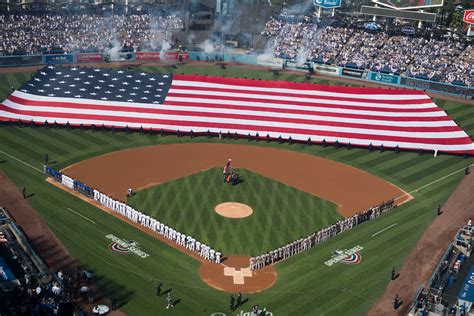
{"points": [[361, 116]]}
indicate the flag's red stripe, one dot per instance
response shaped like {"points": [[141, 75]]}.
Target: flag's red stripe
{"points": [[418, 129], [225, 126], [318, 113], [302, 103], [236, 107], [295, 85], [296, 95]]}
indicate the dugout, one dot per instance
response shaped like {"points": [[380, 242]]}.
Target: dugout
{"points": [[466, 293]]}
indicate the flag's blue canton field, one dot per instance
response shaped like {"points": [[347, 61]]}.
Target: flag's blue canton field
{"points": [[99, 84]]}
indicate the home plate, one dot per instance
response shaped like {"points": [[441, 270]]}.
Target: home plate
{"points": [[238, 275]]}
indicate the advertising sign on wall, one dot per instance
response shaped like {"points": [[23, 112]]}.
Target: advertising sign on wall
{"points": [[270, 61], [410, 30], [169, 55], [326, 69], [177, 55], [59, 59], [431, 85], [84, 58], [469, 16], [385, 78], [354, 73], [327, 4], [7, 61], [148, 55], [293, 64]]}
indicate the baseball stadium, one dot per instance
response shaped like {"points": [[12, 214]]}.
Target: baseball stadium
{"points": [[236, 157]]}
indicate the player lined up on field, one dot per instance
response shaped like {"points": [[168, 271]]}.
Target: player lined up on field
{"points": [[318, 237], [154, 225]]}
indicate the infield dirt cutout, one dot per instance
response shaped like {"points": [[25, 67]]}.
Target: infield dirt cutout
{"points": [[233, 275], [233, 210], [352, 189]]}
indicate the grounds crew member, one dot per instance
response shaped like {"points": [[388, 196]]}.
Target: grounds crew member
{"points": [[231, 303], [239, 299]]}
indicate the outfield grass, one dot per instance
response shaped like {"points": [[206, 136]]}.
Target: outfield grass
{"points": [[280, 213], [305, 286]]}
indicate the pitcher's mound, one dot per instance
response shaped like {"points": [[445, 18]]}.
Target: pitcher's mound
{"points": [[233, 276], [233, 210]]}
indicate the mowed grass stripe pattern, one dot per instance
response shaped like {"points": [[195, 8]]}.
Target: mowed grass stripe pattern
{"points": [[293, 287], [281, 213], [305, 285]]}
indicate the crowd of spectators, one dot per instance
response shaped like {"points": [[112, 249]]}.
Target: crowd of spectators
{"points": [[339, 41], [25, 34], [439, 58], [290, 37], [35, 295], [51, 294]]}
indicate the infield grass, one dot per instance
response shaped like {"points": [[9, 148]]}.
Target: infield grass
{"points": [[280, 213], [305, 286]]}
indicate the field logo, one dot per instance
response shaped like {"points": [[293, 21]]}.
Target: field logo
{"points": [[242, 313], [125, 247], [347, 256]]}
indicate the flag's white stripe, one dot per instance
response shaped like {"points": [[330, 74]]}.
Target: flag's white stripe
{"points": [[308, 108], [277, 115], [201, 93], [315, 92], [138, 105], [262, 124], [354, 141], [170, 106]]}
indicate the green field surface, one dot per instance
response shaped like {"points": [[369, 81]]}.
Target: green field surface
{"points": [[305, 286], [280, 215]]}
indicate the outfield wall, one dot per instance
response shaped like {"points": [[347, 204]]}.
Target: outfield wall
{"points": [[250, 59]]}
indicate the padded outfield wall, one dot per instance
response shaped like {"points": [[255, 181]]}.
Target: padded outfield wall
{"points": [[252, 59]]}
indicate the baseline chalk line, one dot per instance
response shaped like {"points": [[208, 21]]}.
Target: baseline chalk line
{"points": [[84, 217], [381, 231], [433, 182], [19, 160]]}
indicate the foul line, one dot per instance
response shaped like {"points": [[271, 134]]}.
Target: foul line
{"points": [[84, 217], [2, 152], [381, 231], [433, 182]]}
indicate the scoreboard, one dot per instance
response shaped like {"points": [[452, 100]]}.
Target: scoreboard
{"points": [[409, 4]]}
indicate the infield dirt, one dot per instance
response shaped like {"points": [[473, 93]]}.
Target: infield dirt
{"points": [[352, 189]]}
